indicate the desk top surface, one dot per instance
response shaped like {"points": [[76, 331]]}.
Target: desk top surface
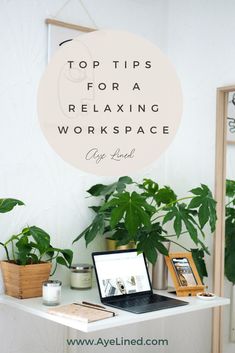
{"points": [[35, 307]]}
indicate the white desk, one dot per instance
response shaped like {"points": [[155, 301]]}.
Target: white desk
{"points": [[34, 306]]}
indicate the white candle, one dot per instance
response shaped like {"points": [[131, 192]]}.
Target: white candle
{"points": [[51, 292]]}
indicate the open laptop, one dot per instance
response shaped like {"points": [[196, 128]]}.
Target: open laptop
{"points": [[123, 282]]}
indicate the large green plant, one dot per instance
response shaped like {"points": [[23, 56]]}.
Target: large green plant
{"points": [[139, 212], [230, 231]]}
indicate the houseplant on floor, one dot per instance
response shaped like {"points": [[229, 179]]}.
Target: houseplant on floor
{"points": [[140, 212], [29, 256]]}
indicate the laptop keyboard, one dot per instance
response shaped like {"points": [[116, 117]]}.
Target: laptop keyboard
{"points": [[140, 301]]}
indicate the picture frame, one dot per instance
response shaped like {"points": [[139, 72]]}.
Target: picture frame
{"points": [[60, 33], [184, 274], [230, 122]]}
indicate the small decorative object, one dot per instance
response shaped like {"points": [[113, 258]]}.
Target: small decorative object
{"points": [[31, 261], [206, 296], [184, 274], [143, 212], [51, 292], [231, 118], [81, 276]]}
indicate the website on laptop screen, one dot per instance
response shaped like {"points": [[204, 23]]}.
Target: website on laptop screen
{"points": [[121, 273]]}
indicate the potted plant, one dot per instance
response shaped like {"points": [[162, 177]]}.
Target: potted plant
{"points": [[142, 212], [30, 262]]}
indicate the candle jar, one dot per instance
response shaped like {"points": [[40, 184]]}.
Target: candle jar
{"points": [[51, 292], [81, 276]]}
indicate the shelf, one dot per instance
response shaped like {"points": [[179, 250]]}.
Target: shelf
{"points": [[35, 307]]}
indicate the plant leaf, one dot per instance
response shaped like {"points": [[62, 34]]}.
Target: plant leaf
{"points": [[116, 215], [60, 260], [230, 188], [149, 251], [206, 206], [198, 257], [7, 205], [68, 255], [165, 196], [106, 190], [41, 238], [97, 227], [162, 249], [150, 188]]}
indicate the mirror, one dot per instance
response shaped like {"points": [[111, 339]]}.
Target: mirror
{"points": [[224, 250]]}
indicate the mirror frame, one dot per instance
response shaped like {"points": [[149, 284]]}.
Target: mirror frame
{"points": [[219, 241]]}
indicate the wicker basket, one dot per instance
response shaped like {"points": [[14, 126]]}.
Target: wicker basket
{"points": [[24, 281]]}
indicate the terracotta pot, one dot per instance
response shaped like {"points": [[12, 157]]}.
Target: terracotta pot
{"points": [[24, 281]]}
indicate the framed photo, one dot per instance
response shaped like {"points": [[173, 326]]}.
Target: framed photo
{"points": [[231, 118], [184, 274], [60, 33]]}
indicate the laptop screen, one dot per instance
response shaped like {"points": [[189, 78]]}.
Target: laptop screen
{"points": [[120, 273]]}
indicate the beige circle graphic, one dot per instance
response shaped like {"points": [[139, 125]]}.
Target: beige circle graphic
{"points": [[109, 102]]}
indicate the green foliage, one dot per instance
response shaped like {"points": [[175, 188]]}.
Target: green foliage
{"points": [[32, 246], [198, 257], [7, 205], [132, 208], [141, 215], [230, 231], [230, 189], [206, 206], [108, 190]]}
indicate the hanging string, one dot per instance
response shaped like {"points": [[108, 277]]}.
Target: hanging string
{"points": [[84, 8], [88, 14], [61, 8]]}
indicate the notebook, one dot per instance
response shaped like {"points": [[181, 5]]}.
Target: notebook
{"points": [[81, 312]]}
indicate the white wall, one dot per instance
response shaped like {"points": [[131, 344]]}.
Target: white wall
{"points": [[200, 46], [54, 192]]}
